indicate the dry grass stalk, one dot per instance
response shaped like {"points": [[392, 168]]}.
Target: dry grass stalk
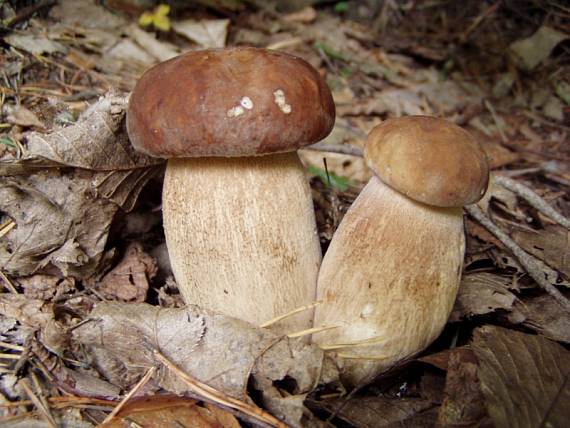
{"points": [[144, 380]]}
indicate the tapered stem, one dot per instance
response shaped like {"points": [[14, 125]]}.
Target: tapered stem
{"points": [[388, 280], [241, 235]]}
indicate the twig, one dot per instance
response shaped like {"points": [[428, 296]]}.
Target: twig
{"points": [[344, 149], [532, 198], [6, 227], [130, 394], [7, 283], [537, 269], [213, 394], [495, 117], [486, 13], [12, 346], [28, 11], [44, 411]]}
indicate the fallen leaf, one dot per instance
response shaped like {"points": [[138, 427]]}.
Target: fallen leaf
{"points": [[544, 315], [60, 224], [36, 44], [221, 351], [20, 115], [375, 412], [551, 245], [129, 280], [524, 378], [530, 52], [482, 293], [305, 15], [463, 403], [45, 287], [207, 33], [128, 50], [163, 410], [158, 49], [32, 312], [97, 141], [434, 98], [74, 13]]}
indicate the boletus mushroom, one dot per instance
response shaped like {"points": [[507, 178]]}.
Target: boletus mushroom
{"points": [[238, 214], [391, 273]]}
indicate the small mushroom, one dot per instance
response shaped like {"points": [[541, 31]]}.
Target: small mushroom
{"points": [[238, 215], [391, 273]]}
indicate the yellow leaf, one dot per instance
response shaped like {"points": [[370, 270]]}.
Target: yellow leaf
{"points": [[158, 18]]}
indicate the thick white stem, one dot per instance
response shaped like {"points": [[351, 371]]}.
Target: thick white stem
{"points": [[388, 280], [241, 235]]}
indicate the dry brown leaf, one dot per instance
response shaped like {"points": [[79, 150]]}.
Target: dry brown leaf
{"points": [[45, 287], [305, 15], [211, 33], [98, 141], [129, 280], [376, 412], [463, 403], [524, 378], [32, 312], [220, 351], [162, 410], [60, 224], [21, 116], [434, 98], [551, 245], [482, 293], [543, 315]]}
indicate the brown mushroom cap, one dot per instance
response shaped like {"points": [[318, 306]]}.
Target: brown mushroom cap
{"points": [[229, 102], [429, 160]]}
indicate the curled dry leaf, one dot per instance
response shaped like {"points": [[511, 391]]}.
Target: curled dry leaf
{"points": [[129, 280], [63, 218], [98, 141], [60, 224], [220, 351], [524, 378]]}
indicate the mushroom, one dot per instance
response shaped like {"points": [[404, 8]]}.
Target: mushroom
{"points": [[391, 273], [240, 227]]}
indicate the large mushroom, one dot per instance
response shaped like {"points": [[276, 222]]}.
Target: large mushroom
{"points": [[238, 214], [391, 273]]}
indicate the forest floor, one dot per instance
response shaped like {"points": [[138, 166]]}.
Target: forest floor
{"points": [[90, 316]]}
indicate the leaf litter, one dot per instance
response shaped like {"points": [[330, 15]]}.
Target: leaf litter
{"points": [[90, 308]]}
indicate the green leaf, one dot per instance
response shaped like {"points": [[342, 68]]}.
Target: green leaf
{"points": [[7, 141], [341, 7], [330, 179], [330, 52]]}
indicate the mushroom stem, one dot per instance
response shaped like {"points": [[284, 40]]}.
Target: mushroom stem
{"points": [[241, 234], [390, 278]]}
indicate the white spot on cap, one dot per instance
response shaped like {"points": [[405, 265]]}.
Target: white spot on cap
{"points": [[235, 111], [279, 96], [246, 103], [238, 110]]}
